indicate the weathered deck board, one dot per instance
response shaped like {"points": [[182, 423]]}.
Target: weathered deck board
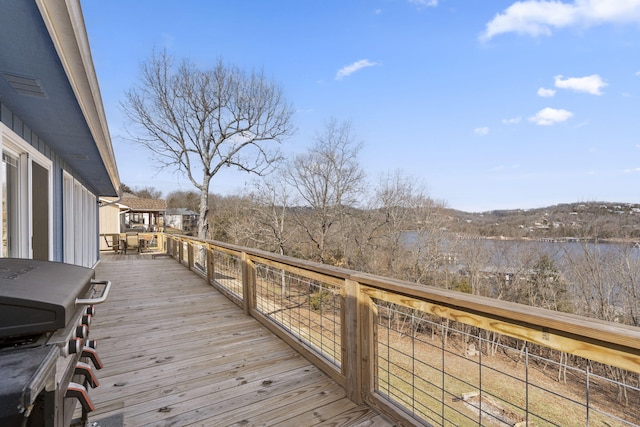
{"points": [[176, 352]]}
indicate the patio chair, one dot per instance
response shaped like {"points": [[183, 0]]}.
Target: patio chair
{"points": [[132, 240], [113, 242], [145, 241]]}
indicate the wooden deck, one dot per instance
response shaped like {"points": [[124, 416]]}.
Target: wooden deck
{"points": [[178, 353]]}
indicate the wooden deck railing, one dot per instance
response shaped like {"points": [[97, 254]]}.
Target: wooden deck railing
{"points": [[428, 356]]}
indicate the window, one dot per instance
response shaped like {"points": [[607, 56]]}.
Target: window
{"points": [[25, 176], [68, 221], [9, 205], [80, 223]]}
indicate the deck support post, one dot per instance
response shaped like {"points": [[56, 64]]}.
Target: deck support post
{"points": [[352, 349], [190, 255], [211, 272], [180, 251], [248, 284]]}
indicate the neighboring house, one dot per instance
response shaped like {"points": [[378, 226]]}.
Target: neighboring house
{"points": [[130, 214], [181, 219], [57, 157], [141, 214], [110, 215]]}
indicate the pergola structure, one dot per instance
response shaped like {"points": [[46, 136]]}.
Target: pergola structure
{"points": [[138, 213]]}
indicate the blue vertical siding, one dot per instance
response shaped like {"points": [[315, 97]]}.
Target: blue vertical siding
{"points": [[58, 166]]}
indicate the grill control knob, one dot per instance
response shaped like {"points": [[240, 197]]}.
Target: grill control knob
{"points": [[74, 346], [82, 331], [79, 392], [86, 319], [93, 355], [92, 344], [91, 310]]}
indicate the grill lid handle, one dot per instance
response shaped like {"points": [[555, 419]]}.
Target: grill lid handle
{"points": [[101, 298]]}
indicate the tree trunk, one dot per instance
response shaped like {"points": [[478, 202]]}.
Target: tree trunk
{"points": [[203, 221]]}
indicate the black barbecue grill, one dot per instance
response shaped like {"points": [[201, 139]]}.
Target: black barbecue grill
{"points": [[45, 312]]}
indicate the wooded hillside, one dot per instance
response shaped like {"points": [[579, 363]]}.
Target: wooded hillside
{"points": [[590, 220]]}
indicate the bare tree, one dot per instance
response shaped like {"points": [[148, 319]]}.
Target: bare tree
{"points": [[629, 285], [397, 197], [183, 199], [595, 285], [126, 189], [327, 179], [199, 121], [475, 255], [547, 288], [148, 193], [272, 204], [433, 242], [238, 223]]}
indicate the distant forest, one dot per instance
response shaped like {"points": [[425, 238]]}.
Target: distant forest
{"points": [[421, 241]]}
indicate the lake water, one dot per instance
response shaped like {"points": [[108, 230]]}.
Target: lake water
{"points": [[501, 254]]}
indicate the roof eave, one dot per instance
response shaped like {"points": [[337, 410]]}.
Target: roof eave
{"points": [[65, 25]]}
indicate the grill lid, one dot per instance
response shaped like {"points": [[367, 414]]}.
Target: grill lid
{"points": [[39, 296]]}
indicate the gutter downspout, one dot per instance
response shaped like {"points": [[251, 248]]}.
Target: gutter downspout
{"points": [[120, 196]]}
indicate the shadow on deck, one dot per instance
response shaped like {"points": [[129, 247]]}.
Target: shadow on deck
{"points": [[177, 352]]}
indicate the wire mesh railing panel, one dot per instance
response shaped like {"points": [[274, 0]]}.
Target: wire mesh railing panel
{"points": [[228, 272], [441, 359], [184, 247], [307, 309], [200, 257], [446, 373]]}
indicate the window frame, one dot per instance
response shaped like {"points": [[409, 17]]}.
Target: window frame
{"points": [[80, 222], [26, 154]]}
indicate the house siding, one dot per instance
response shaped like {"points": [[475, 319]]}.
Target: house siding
{"points": [[13, 122], [109, 223]]}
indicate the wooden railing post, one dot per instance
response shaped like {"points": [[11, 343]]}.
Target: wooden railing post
{"points": [[180, 251], [352, 339], [248, 283], [369, 341], [160, 242], [169, 242], [190, 254], [211, 272]]}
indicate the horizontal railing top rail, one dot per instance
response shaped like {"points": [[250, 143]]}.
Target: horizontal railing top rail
{"points": [[608, 334]]}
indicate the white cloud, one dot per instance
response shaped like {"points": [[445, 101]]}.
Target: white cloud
{"points": [[588, 84], [637, 73], [350, 69], [512, 121], [424, 3], [540, 17], [546, 93], [481, 131], [633, 170], [550, 116]]}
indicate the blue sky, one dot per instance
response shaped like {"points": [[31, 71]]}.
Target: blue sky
{"points": [[489, 104]]}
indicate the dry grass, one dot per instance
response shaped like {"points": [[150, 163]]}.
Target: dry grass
{"points": [[413, 374]]}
